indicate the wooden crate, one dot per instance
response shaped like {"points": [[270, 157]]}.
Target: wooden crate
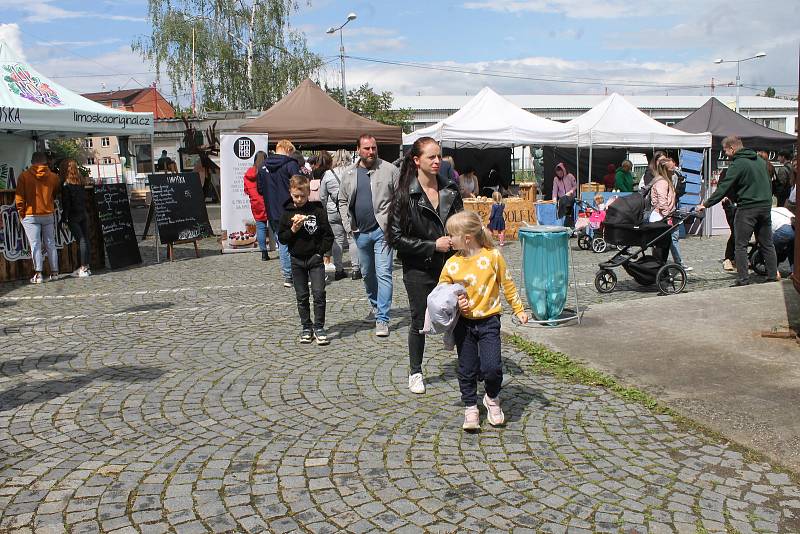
{"points": [[68, 259], [516, 212], [527, 191], [593, 187]]}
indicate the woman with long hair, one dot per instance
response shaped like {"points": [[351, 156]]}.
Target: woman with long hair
{"points": [[257, 206], [73, 206], [664, 199], [421, 204], [329, 197], [650, 172]]}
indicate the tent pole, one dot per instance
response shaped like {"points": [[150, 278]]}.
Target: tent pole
{"points": [[156, 237], [589, 179]]}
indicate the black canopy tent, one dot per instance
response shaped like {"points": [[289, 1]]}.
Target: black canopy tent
{"points": [[722, 121]]}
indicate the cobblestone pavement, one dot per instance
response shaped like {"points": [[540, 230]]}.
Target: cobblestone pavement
{"points": [[176, 398]]}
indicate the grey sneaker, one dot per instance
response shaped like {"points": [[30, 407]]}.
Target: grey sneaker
{"points": [[321, 337], [306, 336], [381, 329], [472, 418]]}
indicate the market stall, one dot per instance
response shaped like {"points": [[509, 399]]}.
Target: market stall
{"points": [[490, 121], [32, 110]]}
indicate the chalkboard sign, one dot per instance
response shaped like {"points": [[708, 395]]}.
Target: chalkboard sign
{"points": [[116, 224], [179, 206]]}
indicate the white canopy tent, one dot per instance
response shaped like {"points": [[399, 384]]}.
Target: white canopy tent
{"points": [[615, 122], [33, 106], [489, 120]]}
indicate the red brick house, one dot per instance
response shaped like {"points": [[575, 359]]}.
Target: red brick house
{"points": [[143, 99]]}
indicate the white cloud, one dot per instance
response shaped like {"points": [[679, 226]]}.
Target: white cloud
{"points": [[11, 35], [79, 44], [45, 11], [580, 9], [537, 74]]}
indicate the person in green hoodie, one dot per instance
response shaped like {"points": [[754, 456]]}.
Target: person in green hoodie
{"points": [[747, 180], [623, 180]]}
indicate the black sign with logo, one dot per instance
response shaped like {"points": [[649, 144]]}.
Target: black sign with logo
{"points": [[179, 206], [114, 213], [244, 148]]}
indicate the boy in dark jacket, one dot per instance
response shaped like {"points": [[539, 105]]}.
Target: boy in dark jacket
{"points": [[305, 230], [272, 183]]}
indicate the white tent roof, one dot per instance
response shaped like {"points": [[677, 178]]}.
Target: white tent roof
{"points": [[31, 104], [489, 120], [615, 122]]}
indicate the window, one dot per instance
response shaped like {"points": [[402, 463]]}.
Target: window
{"points": [[107, 161], [87, 142], [105, 141], [775, 124], [90, 161], [144, 158], [116, 104]]}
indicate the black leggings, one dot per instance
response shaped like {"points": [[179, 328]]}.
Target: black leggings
{"points": [[80, 231], [419, 285]]}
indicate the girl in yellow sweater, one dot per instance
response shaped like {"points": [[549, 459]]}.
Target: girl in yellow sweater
{"points": [[482, 270]]}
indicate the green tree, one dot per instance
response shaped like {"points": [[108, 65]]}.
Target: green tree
{"points": [[69, 149], [376, 106], [246, 55], [770, 92]]}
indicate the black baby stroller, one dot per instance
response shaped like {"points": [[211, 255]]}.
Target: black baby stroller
{"points": [[623, 226]]}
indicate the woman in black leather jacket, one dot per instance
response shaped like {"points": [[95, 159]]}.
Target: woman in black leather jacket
{"points": [[420, 207]]}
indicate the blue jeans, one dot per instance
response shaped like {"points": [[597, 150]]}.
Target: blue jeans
{"points": [[783, 239], [478, 346], [261, 235], [376, 267], [283, 252], [675, 248]]}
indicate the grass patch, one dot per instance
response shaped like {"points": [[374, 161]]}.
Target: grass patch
{"points": [[560, 365], [546, 361]]}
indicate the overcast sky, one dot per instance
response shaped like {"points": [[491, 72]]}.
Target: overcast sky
{"points": [[531, 46]]}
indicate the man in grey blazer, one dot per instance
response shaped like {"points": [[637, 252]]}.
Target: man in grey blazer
{"points": [[364, 198]]}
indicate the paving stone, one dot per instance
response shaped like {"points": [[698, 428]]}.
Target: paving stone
{"points": [[166, 398]]}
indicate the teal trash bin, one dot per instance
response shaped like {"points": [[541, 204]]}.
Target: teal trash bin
{"points": [[545, 269]]}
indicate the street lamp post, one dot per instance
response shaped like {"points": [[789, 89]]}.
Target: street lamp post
{"points": [[738, 63], [351, 16]]}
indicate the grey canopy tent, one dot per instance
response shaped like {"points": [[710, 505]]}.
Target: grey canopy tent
{"points": [[722, 121]]}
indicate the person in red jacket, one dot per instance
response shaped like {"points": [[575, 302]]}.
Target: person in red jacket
{"points": [[257, 203]]}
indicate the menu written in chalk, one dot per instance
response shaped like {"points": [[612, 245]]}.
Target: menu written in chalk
{"points": [[116, 224], [180, 208]]}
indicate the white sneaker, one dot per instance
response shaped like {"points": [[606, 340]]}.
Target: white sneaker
{"points": [[54, 277], [381, 329], [37, 278], [415, 384], [330, 267], [687, 268], [83, 273]]}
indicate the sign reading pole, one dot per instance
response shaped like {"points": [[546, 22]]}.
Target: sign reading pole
{"points": [[237, 152]]}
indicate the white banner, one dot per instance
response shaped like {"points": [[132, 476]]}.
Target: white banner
{"points": [[15, 157], [237, 152]]}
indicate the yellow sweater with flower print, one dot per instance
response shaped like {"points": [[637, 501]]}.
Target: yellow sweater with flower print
{"points": [[482, 275]]}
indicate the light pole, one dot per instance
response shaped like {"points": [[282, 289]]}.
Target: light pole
{"points": [[351, 16], [738, 62]]}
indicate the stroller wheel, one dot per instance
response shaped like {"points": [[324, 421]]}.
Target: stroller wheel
{"points": [[584, 242], [671, 279], [605, 281], [599, 245], [756, 260]]}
